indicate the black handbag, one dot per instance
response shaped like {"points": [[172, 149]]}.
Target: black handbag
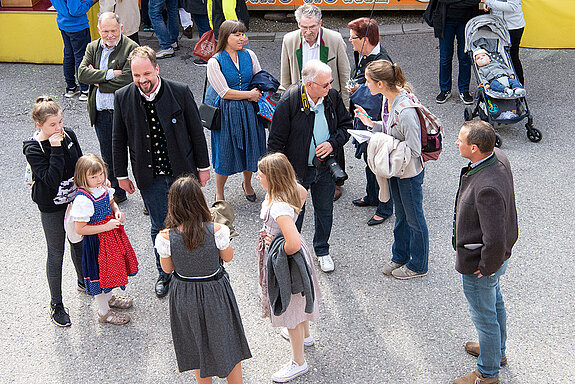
{"points": [[209, 114]]}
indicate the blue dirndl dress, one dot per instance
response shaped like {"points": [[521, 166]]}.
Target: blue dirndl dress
{"points": [[107, 257], [241, 141]]}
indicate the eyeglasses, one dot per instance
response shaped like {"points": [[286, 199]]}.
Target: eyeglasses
{"points": [[351, 38], [324, 86], [308, 27]]}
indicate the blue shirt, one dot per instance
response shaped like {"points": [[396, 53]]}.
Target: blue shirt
{"points": [[105, 100], [320, 128]]}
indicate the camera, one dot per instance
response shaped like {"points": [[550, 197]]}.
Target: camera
{"points": [[338, 174]]}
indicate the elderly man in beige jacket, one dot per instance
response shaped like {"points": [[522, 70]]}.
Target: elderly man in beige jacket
{"points": [[313, 42]]}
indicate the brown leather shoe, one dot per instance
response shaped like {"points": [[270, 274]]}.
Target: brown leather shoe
{"points": [[337, 193], [472, 347], [475, 377]]}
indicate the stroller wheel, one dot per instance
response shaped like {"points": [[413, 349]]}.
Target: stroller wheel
{"points": [[498, 140], [468, 114], [534, 134]]}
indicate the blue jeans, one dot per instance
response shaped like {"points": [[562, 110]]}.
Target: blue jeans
{"points": [[322, 187], [156, 201], [75, 44], [497, 86], [372, 194], [487, 311], [410, 236], [103, 127], [166, 35], [451, 31], [202, 23]]}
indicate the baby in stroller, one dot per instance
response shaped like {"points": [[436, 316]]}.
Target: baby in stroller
{"points": [[499, 77]]}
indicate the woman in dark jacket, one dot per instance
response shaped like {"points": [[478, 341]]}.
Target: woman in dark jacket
{"points": [[364, 38]]}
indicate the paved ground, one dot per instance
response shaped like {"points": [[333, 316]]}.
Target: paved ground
{"points": [[373, 329]]}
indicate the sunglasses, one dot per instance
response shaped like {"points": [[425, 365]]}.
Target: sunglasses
{"points": [[324, 86]]}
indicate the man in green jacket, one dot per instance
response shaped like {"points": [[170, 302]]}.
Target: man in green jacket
{"points": [[106, 69]]}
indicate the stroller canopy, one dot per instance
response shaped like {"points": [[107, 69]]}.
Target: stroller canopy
{"points": [[485, 31]]}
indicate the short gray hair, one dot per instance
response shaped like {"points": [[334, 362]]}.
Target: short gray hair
{"points": [[312, 69], [108, 16], [308, 10]]}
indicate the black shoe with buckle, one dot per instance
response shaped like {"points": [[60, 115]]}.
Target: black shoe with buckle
{"points": [[162, 285], [59, 315]]}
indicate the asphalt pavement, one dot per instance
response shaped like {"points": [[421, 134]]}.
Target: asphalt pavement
{"points": [[373, 328]]}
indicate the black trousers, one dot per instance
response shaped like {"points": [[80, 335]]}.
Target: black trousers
{"points": [[515, 35]]}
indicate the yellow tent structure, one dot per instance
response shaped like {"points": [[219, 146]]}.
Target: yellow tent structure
{"points": [[550, 24]]}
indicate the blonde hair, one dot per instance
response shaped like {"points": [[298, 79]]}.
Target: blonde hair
{"points": [[143, 52], [88, 165], [282, 184], [44, 107]]}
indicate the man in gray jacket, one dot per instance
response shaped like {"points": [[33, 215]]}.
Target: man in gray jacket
{"points": [[484, 232]]}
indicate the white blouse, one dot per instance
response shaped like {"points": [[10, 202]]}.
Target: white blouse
{"points": [[222, 237], [217, 78], [83, 208]]}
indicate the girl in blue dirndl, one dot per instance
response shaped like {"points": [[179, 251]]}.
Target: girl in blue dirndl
{"points": [[240, 142]]}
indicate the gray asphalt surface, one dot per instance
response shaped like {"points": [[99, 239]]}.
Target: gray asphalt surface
{"points": [[373, 329]]}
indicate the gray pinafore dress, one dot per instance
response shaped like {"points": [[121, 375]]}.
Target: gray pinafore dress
{"points": [[206, 326]]}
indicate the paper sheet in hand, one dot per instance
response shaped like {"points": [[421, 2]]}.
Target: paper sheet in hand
{"points": [[360, 135]]}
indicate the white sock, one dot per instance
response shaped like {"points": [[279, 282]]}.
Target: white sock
{"points": [[102, 300]]}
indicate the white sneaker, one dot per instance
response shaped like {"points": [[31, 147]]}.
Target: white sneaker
{"points": [[163, 53], [83, 96], [72, 92], [289, 371], [308, 341], [326, 263]]}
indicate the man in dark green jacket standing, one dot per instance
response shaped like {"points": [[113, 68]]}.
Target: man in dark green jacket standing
{"points": [[106, 69], [485, 230]]}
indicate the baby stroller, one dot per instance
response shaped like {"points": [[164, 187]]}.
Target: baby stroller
{"points": [[490, 33]]}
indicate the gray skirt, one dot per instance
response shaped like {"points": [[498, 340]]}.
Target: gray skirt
{"points": [[206, 327]]}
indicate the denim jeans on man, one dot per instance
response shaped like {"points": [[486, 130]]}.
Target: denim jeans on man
{"points": [[166, 35], [372, 193], [410, 235], [322, 187], [202, 23], [487, 311], [75, 44], [452, 30], [103, 127], [156, 201]]}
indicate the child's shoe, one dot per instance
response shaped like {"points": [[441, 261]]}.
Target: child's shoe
{"points": [[508, 92], [519, 92], [289, 371], [115, 318], [120, 302]]}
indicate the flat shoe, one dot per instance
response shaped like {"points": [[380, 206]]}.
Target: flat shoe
{"points": [[120, 302], [115, 318], [360, 203], [251, 198], [374, 221]]}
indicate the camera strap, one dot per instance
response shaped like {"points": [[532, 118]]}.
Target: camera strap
{"points": [[305, 107]]}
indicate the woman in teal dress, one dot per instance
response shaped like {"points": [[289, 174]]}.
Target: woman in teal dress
{"points": [[240, 142]]}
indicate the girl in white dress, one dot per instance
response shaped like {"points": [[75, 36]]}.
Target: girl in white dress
{"points": [[280, 209]]}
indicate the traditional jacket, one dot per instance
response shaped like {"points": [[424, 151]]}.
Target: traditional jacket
{"points": [[118, 60], [332, 52], [180, 120]]}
